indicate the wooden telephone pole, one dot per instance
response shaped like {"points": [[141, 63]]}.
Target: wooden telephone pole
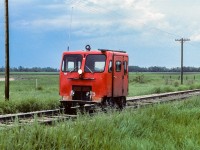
{"points": [[7, 66], [182, 40]]}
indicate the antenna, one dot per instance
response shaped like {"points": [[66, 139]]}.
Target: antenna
{"points": [[69, 37]]}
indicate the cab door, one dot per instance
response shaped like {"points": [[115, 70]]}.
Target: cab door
{"points": [[118, 76]]}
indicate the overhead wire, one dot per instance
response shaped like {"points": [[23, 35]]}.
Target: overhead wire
{"points": [[2, 11], [82, 4], [115, 14]]}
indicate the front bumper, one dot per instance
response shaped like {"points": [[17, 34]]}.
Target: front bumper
{"points": [[73, 102]]}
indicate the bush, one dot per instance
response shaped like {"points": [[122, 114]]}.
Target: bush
{"points": [[39, 88], [190, 82], [157, 90], [176, 84], [168, 89], [198, 86], [140, 79], [192, 87]]}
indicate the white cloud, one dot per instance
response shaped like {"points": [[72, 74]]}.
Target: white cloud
{"points": [[195, 37], [102, 15], [143, 24]]}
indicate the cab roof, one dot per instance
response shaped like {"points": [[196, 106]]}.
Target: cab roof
{"points": [[99, 51]]}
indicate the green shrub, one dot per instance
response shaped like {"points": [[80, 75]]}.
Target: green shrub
{"points": [[168, 89], [198, 86], [190, 82], [157, 90], [191, 87], [176, 84], [182, 88], [39, 88], [139, 78]]}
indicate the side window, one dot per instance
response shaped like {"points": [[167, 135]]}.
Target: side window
{"points": [[125, 67], [118, 66], [63, 65], [110, 67]]}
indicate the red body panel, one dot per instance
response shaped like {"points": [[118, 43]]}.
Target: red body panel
{"points": [[107, 83]]}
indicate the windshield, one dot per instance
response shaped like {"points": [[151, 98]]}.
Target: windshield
{"points": [[71, 63], [95, 63]]}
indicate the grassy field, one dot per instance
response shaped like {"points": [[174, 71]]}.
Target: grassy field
{"points": [[38, 91], [167, 126], [149, 83], [29, 92]]}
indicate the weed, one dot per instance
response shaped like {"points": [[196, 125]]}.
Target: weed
{"points": [[39, 88], [157, 90], [176, 84], [168, 89], [139, 78], [190, 82]]}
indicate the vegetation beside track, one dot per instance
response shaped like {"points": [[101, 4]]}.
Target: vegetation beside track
{"points": [[38, 90], [166, 126], [30, 92], [150, 83]]}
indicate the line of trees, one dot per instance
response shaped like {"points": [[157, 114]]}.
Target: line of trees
{"points": [[162, 69], [33, 69], [131, 69]]}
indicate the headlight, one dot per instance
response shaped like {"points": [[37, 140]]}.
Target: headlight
{"points": [[72, 93], [80, 71]]}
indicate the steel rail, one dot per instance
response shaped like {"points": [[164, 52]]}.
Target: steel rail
{"points": [[46, 117], [139, 101], [161, 95], [10, 117]]}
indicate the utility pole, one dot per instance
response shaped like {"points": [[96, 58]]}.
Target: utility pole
{"points": [[6, 51], [182, 40]]}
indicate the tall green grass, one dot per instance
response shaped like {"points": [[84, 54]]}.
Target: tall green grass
{"points": [[30, 92], [150, 83], [167, 126], [26, 95]]}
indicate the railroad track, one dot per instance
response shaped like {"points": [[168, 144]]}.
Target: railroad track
{"points": [[46, 117], [139, 101], [57, 115]]}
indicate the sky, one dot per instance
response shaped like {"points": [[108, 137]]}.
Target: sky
{"points": [[41, 30]]}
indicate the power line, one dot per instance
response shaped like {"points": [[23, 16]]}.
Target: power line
{"points": [[95, 9], [117, 14]]}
